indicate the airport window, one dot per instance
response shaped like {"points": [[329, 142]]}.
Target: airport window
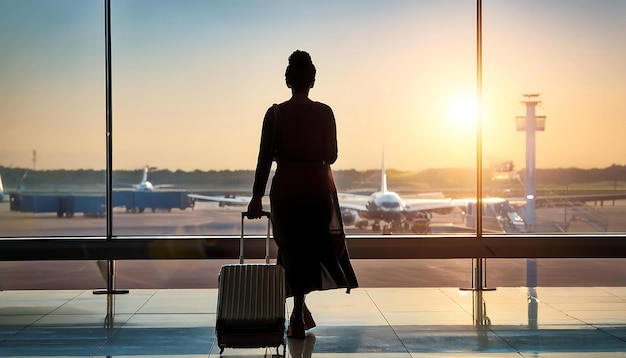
{"points": [[191, 81], [51, 105], [552, 108]]}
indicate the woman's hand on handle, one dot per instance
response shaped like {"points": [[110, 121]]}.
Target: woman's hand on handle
{"points": [[255, 208]]}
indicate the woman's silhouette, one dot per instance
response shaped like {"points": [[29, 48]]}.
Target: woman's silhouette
{"points": [[300, 134]]}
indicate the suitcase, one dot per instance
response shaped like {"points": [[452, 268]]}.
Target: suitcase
{"points": [[251, 302]]}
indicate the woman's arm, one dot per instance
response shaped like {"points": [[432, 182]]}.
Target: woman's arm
{"points": [[264, 164], [331, 143]]}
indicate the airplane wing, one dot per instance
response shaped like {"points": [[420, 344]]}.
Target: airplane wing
{"points": [[352, 201], [579, 198], [568, 200], [352, 206], [436, 205], [223, 200]]}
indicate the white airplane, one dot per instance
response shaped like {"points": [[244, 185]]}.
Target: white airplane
{"points": [[145, 185], [390, 212]]}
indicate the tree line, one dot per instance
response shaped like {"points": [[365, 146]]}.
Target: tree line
{"points": [[347, 180]]}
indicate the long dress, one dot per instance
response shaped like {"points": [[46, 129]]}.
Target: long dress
{"points": [[301, 137]]}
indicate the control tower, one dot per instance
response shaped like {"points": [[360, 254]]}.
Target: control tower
{"points": [[531, 123]]}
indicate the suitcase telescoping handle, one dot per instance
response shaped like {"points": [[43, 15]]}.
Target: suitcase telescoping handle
{"points": [[267, 238]]}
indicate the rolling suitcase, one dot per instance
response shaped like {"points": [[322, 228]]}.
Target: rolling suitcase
{"points": [[251, 302]]}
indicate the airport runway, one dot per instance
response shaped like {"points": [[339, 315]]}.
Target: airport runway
{"points": [[209, 219]]}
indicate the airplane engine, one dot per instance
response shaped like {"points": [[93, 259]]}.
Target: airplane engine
{"points": [[349, 217], [420, 227]]}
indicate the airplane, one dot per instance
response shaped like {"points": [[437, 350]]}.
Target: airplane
{"points": [[146, 185], [390, 211]]}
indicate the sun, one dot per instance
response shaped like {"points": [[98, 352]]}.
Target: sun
{"points": [[462, 111]]}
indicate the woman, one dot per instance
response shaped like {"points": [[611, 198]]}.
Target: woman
{"points": [[300, 134]]}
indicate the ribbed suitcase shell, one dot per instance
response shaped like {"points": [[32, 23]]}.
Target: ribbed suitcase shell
{"points": [[250, 306], [251, 294]]}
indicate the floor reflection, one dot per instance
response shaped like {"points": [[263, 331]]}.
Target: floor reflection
{"points": [[370, 322], [301, 348]]}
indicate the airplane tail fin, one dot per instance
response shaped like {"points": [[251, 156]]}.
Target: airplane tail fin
{"points": [[1, 189], [383, 175], [145, 175], [20, 185]]}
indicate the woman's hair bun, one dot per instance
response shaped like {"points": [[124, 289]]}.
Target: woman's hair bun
{"points": [[300, 72], [300, 58]]}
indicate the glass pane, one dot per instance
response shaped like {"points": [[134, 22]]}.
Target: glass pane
{"points": [[192, 81], [556, 67], [52, 110]]}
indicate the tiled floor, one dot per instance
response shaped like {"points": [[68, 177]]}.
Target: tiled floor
{"points": [[369, 322]]}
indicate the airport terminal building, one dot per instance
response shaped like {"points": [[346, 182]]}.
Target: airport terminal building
{"points": [[481, 174]]}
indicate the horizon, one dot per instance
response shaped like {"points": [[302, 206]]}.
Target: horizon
{"points": [[152, 169]]}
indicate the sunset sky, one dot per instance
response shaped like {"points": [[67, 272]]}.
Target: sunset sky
{"points": [[192, 80]]}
